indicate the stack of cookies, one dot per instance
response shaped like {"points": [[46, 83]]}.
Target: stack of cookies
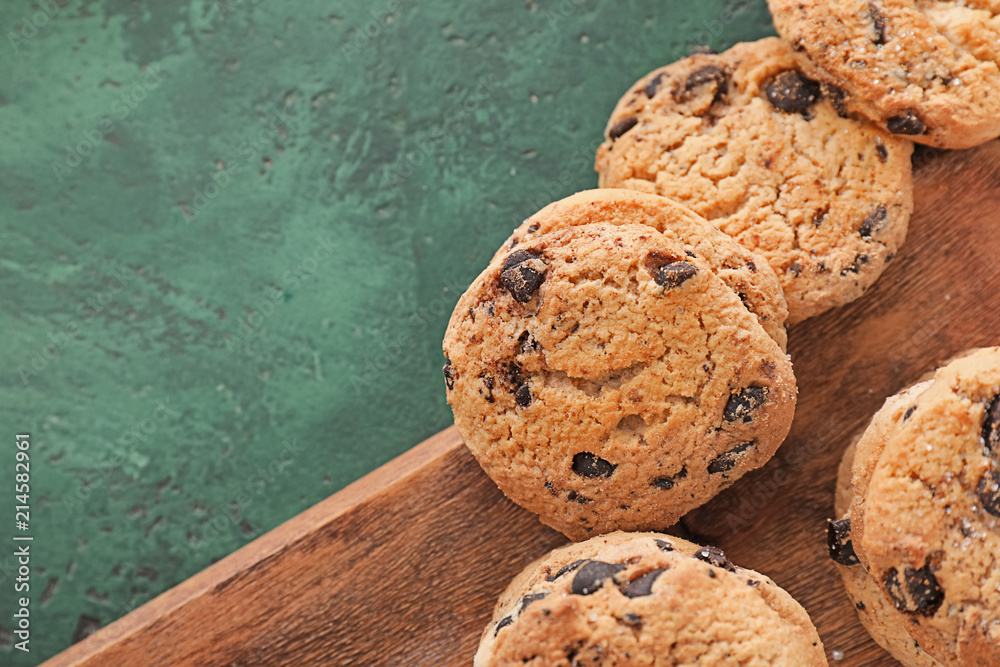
{"points": [[622, 358]]}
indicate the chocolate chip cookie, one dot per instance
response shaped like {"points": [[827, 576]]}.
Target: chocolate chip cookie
{"points": [[646, 599], [928, 71], [918, 534], [766, 154], [606, 378], [747, 273]]}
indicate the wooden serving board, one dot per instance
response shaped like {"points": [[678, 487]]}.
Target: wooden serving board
{"points": [[403, 566]]}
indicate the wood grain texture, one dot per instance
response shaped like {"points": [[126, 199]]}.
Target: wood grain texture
{"points": [[403, 567]]}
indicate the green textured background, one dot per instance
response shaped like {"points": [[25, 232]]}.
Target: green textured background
{"points": [[231, 234]]}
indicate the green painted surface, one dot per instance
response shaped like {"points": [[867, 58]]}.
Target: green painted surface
{"points": [[231, 234]]}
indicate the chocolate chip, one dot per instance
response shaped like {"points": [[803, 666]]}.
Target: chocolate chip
{"points": [[795, 269], [642, 586], [532, 229], [575, 497], [633, 621], [522, 395], [715, 556], [918, 593], [449, 374], [528, 599], [908, 123], [883, 152], [855, 267], [663, 544], [520, 274], [991, 426], [667, 483], [838, 541], [528, 343], [504, 622], [586, 464], [988, 491], [592, 576], [878, 22], [753, 583], [727, 461], [653, 86], [488, 382], [621, 127], [566, 569], [742, 404], [860, 606], [837, 96], [707, 74], [791, 92], [751, 266], [674, 274], [873, 221]]}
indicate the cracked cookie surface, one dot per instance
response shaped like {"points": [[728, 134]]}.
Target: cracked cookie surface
{"points": [[747, 273], [645, 599], [765, 154], [606, 378], [917, 507], [925, 70]]}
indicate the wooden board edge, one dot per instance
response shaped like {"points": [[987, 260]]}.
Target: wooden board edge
{"points": [[246, 558]]}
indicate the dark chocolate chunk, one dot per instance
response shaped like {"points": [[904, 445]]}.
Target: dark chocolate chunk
{"points": [[674, 274], [663, 544], [988, 491], [642, 586], [622, 126], [565, 569], [837, 96], [667, 483], [575, 497], [586, 464], [707, 74], [909, 412], [878, 22], [631, 620], [855, 267], [592, 576], [991, 426], [715, 556], [528, 599], [528, 343], [742, 404], [754, 584], [727, 461], [504, 622], [449, 374], [838, 541], [520, 279], [918, 593], [883, 152], [653, 86], [532, 229], [522, 395], [488, 382], [792, 92], [908, 123], [751, 266], [873, 221], [860, 606], [795, 269]]}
